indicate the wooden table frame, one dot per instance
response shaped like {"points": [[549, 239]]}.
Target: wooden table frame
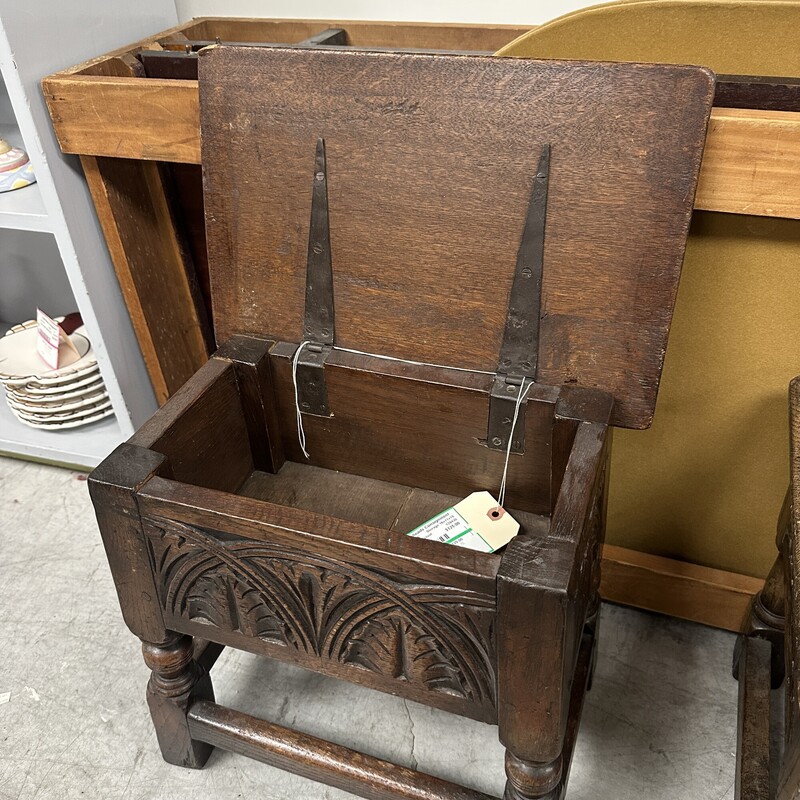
{"points": [[127, 130]]}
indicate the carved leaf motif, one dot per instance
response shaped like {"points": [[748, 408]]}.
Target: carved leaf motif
{"points": [[225, 601], [392, 645], [436, 637]]}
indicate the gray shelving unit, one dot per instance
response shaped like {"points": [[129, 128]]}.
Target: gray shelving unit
{"points": [[52, 251]]}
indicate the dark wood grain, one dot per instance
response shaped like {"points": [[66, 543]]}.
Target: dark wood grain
{"points": [[430, 166], [318, 759], [757, 92], [753, 736], [237, 539], [432, 422], [261, 520], [250, 358], [331, 607], [214, 455], [555, 583], [152, 260], [176, 681], [379, 504], [112, 487]]}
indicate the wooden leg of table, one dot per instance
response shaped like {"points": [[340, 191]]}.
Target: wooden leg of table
{"points": [[766, 618], [527, 781], [175, 682], [753, 736], [153, 267]]}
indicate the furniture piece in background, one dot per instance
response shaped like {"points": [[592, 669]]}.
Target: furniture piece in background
{"points": [[768, 656], [424, 227], [52, 252]]}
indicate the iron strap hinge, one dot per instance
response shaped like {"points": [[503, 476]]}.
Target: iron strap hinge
{"points": [[318, 325], [519, 352]]}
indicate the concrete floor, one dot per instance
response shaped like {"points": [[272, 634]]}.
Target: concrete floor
{"points": [[660, 722]]}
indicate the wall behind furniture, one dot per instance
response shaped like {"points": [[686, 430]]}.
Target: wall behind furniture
{"points": [[509, 12]]}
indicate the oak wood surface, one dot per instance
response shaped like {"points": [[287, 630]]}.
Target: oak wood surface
{"points": [[534, 687], [440, 203], [747, 167], [112, 487], [251, 361], [378, 504], [317, 759], [217, 455], [153, 268], [347, 574], [434, 35], [428, 420], [261, 520], [753, 736], [789, 773], [688, 591]]}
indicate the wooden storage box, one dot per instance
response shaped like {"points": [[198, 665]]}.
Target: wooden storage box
{"points": [[437, 265]]}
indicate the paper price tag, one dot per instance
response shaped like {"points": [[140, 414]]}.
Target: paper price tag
{"points": [[52, 344], [476, 523]]}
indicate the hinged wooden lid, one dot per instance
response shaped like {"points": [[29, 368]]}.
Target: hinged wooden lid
{"points": [[430, 163]]}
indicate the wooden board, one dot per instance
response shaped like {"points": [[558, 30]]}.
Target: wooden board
{"points": [[153, 268], [430, 166], [677, 588], [748, 165]]}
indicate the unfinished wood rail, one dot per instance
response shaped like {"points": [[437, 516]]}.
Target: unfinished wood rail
{"points": [[750, 165]]}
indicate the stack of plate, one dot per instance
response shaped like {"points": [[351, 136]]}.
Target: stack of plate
{"points": [[51, 399]]}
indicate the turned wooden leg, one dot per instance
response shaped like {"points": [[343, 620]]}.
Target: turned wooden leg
{"points": [[766, 620], [176, 681], [528, 781]]}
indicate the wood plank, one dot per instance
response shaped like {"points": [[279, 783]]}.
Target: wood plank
{"points": [[750, 163], [433, 422], [753, 734], [317, 759], [361, 33], [152, 268], [371, 502], [453, 175], [338, 539], [677, 588], [148, 119]]}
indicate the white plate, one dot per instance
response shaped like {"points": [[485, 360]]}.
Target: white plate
{"points": [[22, 396], [55, 426], [64, 416], [53, 383], [64, 377], [31, 389], [46, 404], [19, 360]]}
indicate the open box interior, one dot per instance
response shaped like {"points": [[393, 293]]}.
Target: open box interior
{"points": [[388, 472]]}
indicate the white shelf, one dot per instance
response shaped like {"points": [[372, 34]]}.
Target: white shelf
{"points": [[52, 252], [22, 209], [82, 447]]}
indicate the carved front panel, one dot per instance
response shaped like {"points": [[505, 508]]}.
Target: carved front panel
{"points": [[426, 640]]}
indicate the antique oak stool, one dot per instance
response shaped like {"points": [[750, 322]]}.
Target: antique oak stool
{"points": [[423, 266]]}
